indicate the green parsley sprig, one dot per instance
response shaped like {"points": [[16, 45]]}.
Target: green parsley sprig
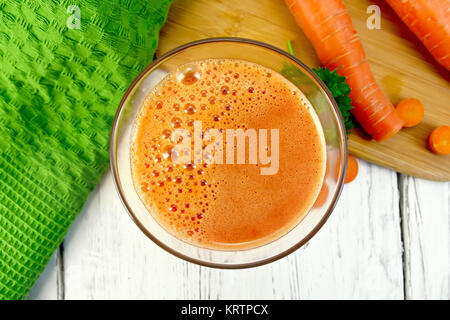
{"points": [[340, 91]]}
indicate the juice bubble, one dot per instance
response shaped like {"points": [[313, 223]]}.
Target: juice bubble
{"points": [[145, 187], [189, 166], [189, 108], [189, 74], [176, 122], [167, 151], [225, 90], [166, 134], [171, 153], [177, 179]]}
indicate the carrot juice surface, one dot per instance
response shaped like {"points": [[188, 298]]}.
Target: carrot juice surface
{"points": [[197, 185]]}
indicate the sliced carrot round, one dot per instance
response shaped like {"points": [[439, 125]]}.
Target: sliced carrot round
{"points": [[439, 140], [411, 111], [352, 169]]}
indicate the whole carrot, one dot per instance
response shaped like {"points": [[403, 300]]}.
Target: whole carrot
{"points": [[329, 27], [429, 20]]}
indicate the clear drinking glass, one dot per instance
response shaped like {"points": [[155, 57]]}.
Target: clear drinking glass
{"points": [[269, 57]]}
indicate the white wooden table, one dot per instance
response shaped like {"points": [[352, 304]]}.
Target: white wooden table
{"points": [[389, 238]]}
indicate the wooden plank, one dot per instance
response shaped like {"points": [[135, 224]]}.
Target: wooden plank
{"points": [[426, 226], [356, 255], [48, 286], [400, 63]]}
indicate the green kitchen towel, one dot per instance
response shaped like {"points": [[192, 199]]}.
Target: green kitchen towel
{"points": [[64, 66]]}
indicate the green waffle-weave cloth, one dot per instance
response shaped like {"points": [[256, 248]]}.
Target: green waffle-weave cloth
{"points": [[64, 66]]}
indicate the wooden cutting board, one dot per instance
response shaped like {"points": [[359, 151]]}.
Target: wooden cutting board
{"points": [[400, 63]]}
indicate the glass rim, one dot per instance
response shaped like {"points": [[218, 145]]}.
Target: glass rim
{"points": [[116, 177]]}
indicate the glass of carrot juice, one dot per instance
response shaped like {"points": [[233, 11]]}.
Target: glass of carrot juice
{"points": [[228, 152]]}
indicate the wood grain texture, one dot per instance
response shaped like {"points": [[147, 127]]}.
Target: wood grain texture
{"points": [[426, 233], [356, 255], [400, 63]]}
